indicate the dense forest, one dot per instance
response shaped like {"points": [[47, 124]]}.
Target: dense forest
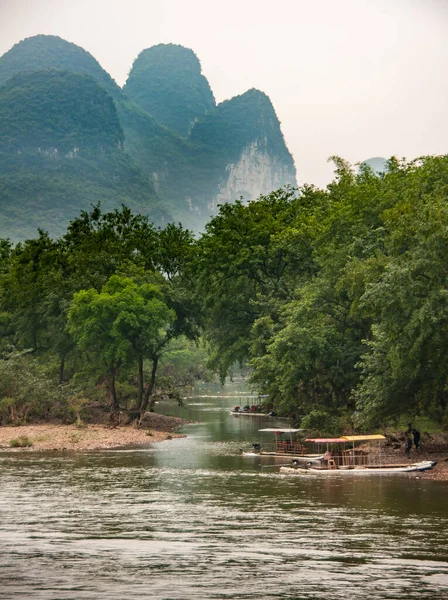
{"points": [[334, 299]]}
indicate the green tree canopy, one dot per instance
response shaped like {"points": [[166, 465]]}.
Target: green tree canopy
{"points": [[123, 322]]}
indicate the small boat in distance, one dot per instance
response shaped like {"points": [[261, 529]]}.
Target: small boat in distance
{"points": [[252, 410], [340, 460]]}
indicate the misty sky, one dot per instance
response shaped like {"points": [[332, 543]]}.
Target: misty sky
{"points": [[357, 78]]}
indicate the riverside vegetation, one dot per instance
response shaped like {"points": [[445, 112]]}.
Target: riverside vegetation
{"points": [[335, 299]]}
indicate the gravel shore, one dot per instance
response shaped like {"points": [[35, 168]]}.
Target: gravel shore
{"points": [[90, 437]]}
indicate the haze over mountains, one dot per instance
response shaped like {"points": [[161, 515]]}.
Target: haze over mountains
{"points": [[70, 137]]}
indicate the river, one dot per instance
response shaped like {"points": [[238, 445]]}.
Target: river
{"points": [[193, 518]]}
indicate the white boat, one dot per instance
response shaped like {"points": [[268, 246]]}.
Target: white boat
{"points": [[423, 465], [352, 461], [248, 413]]}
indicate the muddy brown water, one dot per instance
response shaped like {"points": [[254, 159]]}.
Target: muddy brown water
{"points": [[193, 518]]}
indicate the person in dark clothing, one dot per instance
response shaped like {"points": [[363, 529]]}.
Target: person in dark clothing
{"points": [[416, 435]]}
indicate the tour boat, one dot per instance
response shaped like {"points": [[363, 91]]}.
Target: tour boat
{"points": [[352, 461], [284, 446]]}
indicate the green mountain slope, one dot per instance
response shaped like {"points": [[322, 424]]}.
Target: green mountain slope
{"points": [[58, 109], [240, 121], [159, 152], [241, 146], [61, 151], [167, 82], [235, 149]]}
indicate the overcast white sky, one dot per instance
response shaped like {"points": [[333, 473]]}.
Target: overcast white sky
{"points": [[358, 78]]}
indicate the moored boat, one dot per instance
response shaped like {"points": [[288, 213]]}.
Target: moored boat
{"points": [[285, 445], [338, 460], [385, 469], [250, 410]]}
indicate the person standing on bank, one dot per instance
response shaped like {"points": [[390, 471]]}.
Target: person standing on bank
{"points": [[416, 435]]}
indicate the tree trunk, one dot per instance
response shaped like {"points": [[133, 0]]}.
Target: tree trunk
{"points": [[61, 370], [442, 402], [141, 387], [149, 389], [111, 388]]}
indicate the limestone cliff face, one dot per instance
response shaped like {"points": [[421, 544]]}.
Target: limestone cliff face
{"points": [[256, 173], [244, 152]]}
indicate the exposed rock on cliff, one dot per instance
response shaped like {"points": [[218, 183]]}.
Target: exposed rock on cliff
{"points": [[256, 173], [245, 149]]}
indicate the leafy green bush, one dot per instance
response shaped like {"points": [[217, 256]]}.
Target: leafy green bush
{"points": [[321, 423], [21, 442], [27, 392]]}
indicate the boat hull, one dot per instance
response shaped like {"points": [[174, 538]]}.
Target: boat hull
{"points": [[247, 413], [365, 470], [285, 455]]}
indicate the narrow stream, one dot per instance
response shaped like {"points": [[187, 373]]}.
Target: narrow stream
{"points": [[193, 518]]}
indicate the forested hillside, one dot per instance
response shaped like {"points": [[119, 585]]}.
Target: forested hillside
{"points": [[189, 176], [167, 82], [61, 150], [335, 299]]}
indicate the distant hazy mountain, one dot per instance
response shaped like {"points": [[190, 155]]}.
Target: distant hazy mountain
{"points": [[231, 150], [164, 129], [378, 164], [167, 82]]}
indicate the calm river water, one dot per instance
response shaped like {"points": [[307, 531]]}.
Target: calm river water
{"points": [[192, 518]]}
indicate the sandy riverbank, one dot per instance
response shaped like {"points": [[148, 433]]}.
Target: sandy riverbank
{"points": [[50, 436], [54, 437]]}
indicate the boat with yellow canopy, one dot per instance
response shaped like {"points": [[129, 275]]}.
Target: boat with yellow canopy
{"points": [[342, 457]]}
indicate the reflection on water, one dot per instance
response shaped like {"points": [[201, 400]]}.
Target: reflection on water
{"points": [[193, 518]]}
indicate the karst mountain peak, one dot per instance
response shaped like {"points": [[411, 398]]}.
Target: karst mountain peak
{"points": [[192, 153]]}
